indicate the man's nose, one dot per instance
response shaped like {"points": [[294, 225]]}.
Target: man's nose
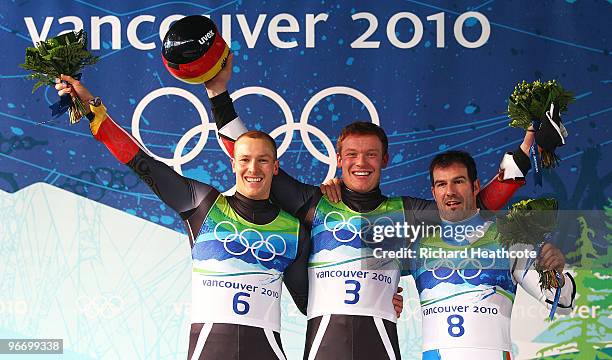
{"points": [[361, 159], [252, 166]]}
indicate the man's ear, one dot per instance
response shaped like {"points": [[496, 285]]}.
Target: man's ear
{"points": [[476, 186], [338, 160], [233, 161], [276, 166], [385, 160]]}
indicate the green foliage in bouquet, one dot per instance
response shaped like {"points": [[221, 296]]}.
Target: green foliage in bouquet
{"points": [[530, 101], [527, 222], [65, 54]]}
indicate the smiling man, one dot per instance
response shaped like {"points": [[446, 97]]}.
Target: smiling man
{"points": [[454, 189], [350, 314], [242, 246], [467, 302], [362, 156], [255, 168]]}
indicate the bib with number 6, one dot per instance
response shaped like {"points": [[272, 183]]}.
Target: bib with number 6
{"points": [[238, 267]]}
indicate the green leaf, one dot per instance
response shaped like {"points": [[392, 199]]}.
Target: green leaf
{"points": [[64, 54], [527, 221], [530, 101]]}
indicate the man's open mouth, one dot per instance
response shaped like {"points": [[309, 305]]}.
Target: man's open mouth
{"points": [[452, 203]]}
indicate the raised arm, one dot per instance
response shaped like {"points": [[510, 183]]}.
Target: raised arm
{"points": [[290, 194], [181, 194], [510, 177]]}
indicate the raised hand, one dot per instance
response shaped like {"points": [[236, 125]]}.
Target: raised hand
{"points": [[68, 85], [218, 84]]}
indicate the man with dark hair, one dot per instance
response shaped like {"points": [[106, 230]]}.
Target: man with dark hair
{"points": [[448, 158], [350, 315], [467, 301], [243, 246]]}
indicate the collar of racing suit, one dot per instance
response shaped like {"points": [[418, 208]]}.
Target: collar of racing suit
{"points": [[362, 202], [259, 212]]}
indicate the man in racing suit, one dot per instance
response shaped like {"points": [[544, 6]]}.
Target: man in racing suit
{"points": [[467, 301], [242, 245]]}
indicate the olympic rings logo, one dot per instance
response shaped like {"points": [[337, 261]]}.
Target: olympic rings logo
{"points": [[106, 307], [357, 225], [203, 129], [257, 245], [448, 264]]}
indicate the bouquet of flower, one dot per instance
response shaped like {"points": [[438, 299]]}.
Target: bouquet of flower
{"points": [[544, 102], [65, 54], [529, 222]]}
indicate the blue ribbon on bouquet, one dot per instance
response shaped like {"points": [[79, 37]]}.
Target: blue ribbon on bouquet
{"points": [[530, 261], [59, 108], [534, 154], [557, 296]]}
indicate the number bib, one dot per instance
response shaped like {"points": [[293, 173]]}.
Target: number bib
{"points": [[252, 300], [350, 290], [468, 321], [238, 268], [466, 301], [344, 277]]}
